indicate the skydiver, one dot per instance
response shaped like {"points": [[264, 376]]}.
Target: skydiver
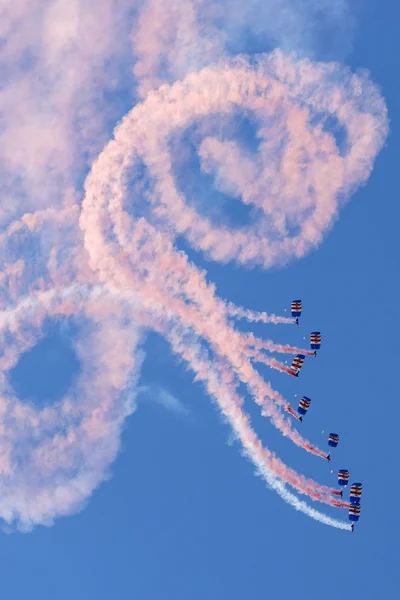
{"points": [[301, 419], [297, 321], [341, 493], [315, 353], [352, 527], [328, 457]]}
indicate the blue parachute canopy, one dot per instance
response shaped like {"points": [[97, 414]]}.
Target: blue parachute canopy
{"points": [[355, 493], [333, 440], [297, 362], [354, 513], [304, 405], [297, 307], [315, 340], [343, 477]]}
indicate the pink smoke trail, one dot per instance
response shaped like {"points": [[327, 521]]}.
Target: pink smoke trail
{"points": [[260, 344], [136, 278], [122, 226], [292, 412], [148, 242], [310, 200], [256, 317], [70, 445], [209, 323], [61, 452], [270, 362], [230, 405]]}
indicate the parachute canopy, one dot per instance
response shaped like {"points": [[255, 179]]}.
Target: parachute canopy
{"points": [[354, 513], [343, 477], [304, 405], [355, 493], [333, 440], [297, 362], [297, 307], [315, 340]]}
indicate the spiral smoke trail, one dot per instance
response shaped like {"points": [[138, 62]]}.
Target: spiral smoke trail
{"points": [[108, 257]]}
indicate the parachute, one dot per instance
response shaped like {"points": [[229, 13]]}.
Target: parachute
{"points": [[297, 363], [297, 307], [343, 477], [355, 493], [333, 440], [304, 405], [315, 340], [354, 513]]}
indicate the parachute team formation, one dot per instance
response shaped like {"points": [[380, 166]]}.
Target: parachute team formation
{"points": [[333, 438]]}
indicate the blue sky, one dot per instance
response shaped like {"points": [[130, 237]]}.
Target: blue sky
{"points": [[182, 515]]}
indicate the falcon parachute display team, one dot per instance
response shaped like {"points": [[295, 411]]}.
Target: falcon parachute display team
{"points": [[333, 438]]}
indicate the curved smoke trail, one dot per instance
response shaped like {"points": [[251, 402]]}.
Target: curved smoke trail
{"points": [[111, 260]]}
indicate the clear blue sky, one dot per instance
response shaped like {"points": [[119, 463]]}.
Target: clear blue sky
{"points": [[183, 517]]}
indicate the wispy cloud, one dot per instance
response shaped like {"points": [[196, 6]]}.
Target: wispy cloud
{"points": [[313, 28], [161, 396]]}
